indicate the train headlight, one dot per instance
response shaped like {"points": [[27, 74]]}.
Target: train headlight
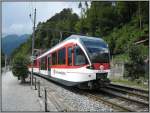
{"points": [[101, 67]]}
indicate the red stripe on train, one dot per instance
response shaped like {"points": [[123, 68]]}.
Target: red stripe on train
{"points": [[105, 66]]}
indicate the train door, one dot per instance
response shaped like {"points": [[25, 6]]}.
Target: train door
{"points": [[49, 64], [39, 65], [70, 56]]}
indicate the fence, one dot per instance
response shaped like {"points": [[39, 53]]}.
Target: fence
{"points": [[49, 99], [117, 69]]}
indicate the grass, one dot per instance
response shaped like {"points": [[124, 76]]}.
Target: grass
{"points": [[130, 83], [121, 57]]}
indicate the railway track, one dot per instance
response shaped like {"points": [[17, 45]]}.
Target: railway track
{"points": [[120, 99], [130, 89], [114, 100], [133, 98], [106, 100], [138, 94], [129, 102]]}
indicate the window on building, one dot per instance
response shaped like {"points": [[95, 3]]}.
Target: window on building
{"points": [[62, 56], [54, 58], [70, 56], [79, 56]]}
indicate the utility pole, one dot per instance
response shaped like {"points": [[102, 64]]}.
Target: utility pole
{"points": [[140, 20], [33, 37], [60, 36]]}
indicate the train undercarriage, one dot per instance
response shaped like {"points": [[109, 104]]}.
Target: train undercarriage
{"points": [[100, 82]]}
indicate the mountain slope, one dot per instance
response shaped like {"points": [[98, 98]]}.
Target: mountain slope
{"points": [[11, 42]]}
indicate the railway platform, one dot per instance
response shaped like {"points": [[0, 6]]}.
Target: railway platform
{"points": [[16, 96]]}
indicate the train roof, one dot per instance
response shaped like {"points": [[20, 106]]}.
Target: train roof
{"points": [[80, 37], [72, 38]]}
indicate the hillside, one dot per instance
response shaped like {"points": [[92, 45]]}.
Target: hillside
{"points": [[119, 23], [11, 42], [121, 39]]}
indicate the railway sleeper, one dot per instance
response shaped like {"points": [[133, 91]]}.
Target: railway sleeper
{"points": [[124, 97]]}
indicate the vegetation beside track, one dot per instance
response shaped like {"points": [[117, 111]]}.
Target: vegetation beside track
{"points": [[130, 83], [19, 67]]}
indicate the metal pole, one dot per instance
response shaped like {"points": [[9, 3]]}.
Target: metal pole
{"points": [[35, 83], [45, 99], [60, 36], [33, 45], [39, 89], [30, 77]]}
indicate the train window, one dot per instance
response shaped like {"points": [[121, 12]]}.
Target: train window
{"points": [[62, 56], [79, 56], [98, 50], [54, 58], [43, 63], [49, 61], [70, 56]]}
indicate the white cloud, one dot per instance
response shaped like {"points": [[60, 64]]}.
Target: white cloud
{"points": [[15, 15], [18, 29], [45, 10]]}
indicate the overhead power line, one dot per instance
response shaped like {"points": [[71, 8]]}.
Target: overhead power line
{"points": [[58, 30]]}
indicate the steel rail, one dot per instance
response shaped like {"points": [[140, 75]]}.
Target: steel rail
{"points": [[146, 97], [130, 88], [112, 104], [121, 96]]}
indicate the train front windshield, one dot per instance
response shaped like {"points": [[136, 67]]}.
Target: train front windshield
{"points": [[97, 49]]}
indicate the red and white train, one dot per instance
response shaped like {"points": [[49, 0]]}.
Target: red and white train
{"points": [[77, 61]]}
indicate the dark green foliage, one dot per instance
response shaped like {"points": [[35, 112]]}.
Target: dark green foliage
{"points": [[19, 67], [126, 10], [120, 38], [47, 33], [135, 67], [135, 54]]}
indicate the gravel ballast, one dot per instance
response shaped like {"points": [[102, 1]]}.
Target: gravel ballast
{"points": [[77, 101]]}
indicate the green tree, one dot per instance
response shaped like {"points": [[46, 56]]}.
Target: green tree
{"points": [[126, 10], [101, 18], [19, 67], [49, 31], [135, 66]]}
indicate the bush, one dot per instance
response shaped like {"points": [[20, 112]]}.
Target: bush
{"points": [[19, 67], [135, 67]]}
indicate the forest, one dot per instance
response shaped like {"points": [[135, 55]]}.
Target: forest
{"points": [[119, 23]]}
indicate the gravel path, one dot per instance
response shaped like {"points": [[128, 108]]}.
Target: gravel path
{"points": [[16, 96]]}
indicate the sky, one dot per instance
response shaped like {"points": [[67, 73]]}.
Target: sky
{"points": [[15, 15]]}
